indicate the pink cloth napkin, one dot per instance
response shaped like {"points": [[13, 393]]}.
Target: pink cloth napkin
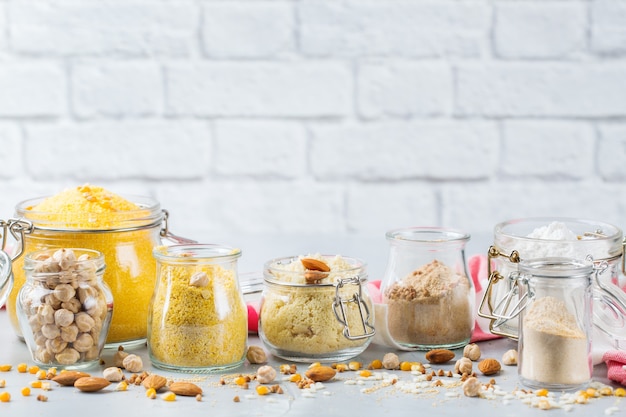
{"points": [[615, 361]]}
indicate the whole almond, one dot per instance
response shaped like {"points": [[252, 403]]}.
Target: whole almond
{"points": [[154, 381], [315, 265], [489, 366], [439, 355], [67, 378], [320, 373], [186, 389], [91, 384]]}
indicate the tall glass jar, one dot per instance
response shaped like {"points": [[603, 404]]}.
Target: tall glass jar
{"points": [[198, 319], [126, 238], [533, 238], [555, 323], [65, 308], [316, 308], [428, 296]]}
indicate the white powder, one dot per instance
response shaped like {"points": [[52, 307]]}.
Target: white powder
{"points": [[554, 348]]}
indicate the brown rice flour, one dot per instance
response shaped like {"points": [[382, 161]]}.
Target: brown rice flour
{"points": [[430, 306], [554, 349]]}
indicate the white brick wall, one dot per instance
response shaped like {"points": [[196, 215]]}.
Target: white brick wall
{"points": [[333, 117]]}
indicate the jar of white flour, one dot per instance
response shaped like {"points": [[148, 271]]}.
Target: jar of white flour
{"points": [[534, 238]]}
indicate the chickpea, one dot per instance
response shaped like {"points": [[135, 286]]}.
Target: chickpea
{"points": [[265, 374]]}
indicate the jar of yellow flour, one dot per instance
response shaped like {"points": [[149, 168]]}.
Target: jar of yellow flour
{"points": [[198, 319], [124, 228]]}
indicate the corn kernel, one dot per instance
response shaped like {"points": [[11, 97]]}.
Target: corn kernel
{"points": [[542, 393], [52, 372], [314, 364], [151, 393], [295, 378], [41, 374], [377, 364], [606, 391], [122, 386], [544, 405], [582, 399], [365, 373], [5, 368], [284, 369], [22, 368], [355, 366], [3, 383], [36, 384], [262, 390], [620, 392], [405, 366], [341, 367], [25, 391], [46, 386], [169, 396], [240, 380], [5, 397], [591, 392], [33, 369]]}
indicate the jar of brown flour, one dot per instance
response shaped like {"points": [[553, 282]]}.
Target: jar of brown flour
{"points": [[428, 297]]}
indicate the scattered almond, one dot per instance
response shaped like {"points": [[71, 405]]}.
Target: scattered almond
{"points": [[320, 373], [68, 378], [186, 389], [439, 355], [91, 384], [489, 366], [154, 381]]}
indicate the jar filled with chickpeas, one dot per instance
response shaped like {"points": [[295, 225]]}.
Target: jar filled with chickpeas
{"points": [[65, 308]]}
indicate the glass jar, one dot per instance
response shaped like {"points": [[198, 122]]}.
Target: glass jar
{"points": [[324, 319], [6, 277], [555, 323], [65, 308], [125, 238], [428, 296], [198, 318], [533, 238]]}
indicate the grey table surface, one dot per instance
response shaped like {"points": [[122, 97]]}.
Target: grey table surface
{"points": [[337, 397]]}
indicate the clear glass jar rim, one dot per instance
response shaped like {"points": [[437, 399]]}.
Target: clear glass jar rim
{"points": [[358, 270], [154, 215], [95, 256], [192, 253], [427, 235], [503, 228], [556, 267]]}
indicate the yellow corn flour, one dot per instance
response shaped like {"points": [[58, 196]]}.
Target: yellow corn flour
{"points": [[195, 326], [130, 267]]}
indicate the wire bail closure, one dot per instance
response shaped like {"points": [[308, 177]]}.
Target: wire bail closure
{"points": [[339, 308], [17, 228]]}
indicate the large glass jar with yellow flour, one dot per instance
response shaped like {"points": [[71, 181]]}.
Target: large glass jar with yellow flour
{"points": [[316, 308], [198, 319], [124, 228]]}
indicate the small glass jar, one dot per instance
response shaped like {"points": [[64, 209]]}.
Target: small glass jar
{"points": [[126, 238], [427, 293], [65, 308], [198, 318], [6, 276], [555, 323], [533, 238], [324, 319]]}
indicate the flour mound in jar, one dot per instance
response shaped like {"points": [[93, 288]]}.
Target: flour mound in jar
{"points": [[430, 306], [555, 349]]}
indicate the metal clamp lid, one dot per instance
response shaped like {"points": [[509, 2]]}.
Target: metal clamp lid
{"points": [[17, 228], [339, 308]]}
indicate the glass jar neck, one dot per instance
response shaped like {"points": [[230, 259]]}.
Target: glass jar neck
{"points": [[184, 255]]}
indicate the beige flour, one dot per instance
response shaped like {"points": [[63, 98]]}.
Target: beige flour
{"points": [[555, 349], [300, 319], [430, 306]]}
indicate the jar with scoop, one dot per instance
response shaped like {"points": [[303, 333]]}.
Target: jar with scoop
{"points": [[428, 297], [533, 238], [316, 308], [198, 319], [123, 228]]}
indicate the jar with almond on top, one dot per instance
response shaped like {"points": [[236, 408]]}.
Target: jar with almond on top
{"points": [[65, 308]]}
